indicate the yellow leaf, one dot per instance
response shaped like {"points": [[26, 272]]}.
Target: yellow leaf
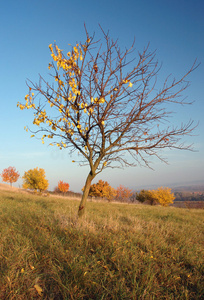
{"points": [[32, 267], [38, 289], [130, 84], [32, 135], [22, 270]]}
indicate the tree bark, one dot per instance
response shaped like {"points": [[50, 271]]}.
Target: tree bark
{"points": [[82, 205]]}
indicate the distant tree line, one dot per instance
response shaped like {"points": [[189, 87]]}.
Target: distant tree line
{"points": [[189, 196], [34, 179], [102, 189]]}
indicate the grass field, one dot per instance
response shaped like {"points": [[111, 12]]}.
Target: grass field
{"points": [[119, 251]]}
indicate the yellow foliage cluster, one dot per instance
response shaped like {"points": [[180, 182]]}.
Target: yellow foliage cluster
{"points": [[34, 179], [75, 110], [163, 196], [102, 189]]}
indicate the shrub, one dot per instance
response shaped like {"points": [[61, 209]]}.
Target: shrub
{"points": [[163, 196], [34, 179], [146, 196]]}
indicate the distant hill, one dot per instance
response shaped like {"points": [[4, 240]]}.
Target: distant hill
{"points": [[4, 186], [194, 186], [189, 188]]}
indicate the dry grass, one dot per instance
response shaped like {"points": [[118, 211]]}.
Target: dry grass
{"points": [[7, 187], [118, 251]]}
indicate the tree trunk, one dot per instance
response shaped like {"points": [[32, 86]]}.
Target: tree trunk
{"points": [[82, 205]]}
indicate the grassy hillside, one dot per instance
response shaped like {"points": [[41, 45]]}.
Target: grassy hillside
{"points": [[120, 251]]}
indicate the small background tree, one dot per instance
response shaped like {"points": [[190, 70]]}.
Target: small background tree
{"points": [[10, 175], [163, 196], [63, 187], [104, 104], [34, 179], [146, 196], [123, 193], [102, 189]]}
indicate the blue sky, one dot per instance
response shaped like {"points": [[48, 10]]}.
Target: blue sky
{"points": [[174, 28]]}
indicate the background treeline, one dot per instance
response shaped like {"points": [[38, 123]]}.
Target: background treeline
{"points": [[189, 196], [35, 180], [179, 196]]}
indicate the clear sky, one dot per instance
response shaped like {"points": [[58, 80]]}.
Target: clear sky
{"points": [[175, 28]]}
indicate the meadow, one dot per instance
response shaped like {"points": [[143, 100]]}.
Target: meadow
{"points": [[118, 251]]}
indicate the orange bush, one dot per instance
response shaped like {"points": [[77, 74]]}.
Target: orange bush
{"points": [[10, 175], [102, 189], [63, 186]]}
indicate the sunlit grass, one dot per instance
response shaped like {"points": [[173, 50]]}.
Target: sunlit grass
{"points": [[119, 251]]}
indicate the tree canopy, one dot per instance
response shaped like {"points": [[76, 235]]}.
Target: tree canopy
{"points": [[123, 193], [146, 196], [62, 186], [163, 196], [102, 189], [10, 175], [104, 103], [34, 179]]}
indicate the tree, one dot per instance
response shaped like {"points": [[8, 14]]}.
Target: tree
{"points": [[10, 175], [163, 196], [63, 186], [104, 103], [146, 196], [102, 189], [34, 179], [123, 193]]}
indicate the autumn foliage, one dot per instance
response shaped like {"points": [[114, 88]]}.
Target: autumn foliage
{"points": [[123, 193], [162, 196], [63, 187], [146, 196], [10, 175], [102, 189], [34, 179]]}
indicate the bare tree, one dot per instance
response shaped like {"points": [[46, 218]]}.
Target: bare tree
{"points": [[103, 103]]}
